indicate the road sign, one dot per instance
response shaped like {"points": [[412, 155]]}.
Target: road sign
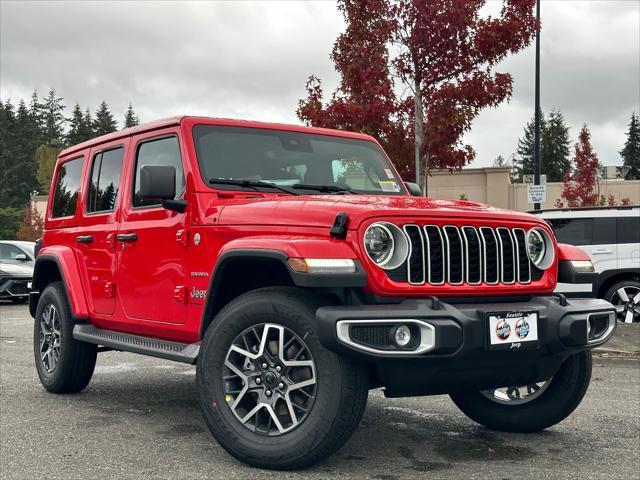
{"points": [[537, 193], [528, 178]]}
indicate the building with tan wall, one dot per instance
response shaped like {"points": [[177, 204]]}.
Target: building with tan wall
{"points": [[493, 186]]}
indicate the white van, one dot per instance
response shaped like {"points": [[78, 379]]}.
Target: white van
{"points": [[611, 237]]}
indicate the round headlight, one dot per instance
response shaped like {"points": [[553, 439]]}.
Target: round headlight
{"points": [[540, 248], [378, 240], [386, 245]]}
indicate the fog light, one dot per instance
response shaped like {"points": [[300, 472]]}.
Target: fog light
{"points": [[402, 336]]}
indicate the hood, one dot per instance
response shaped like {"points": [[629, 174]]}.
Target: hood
{"points": [[320, 210], [12, 270]]}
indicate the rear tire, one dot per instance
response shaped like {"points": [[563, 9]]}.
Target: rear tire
{"points": [[339, 390], [560, 397], [64, 365]]}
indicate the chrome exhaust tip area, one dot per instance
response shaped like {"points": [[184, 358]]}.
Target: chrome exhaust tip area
{"points": [[388, 336]]}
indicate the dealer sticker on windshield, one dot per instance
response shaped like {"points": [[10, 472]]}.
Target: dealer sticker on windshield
{"points": [[513, 330], [388, 186]]}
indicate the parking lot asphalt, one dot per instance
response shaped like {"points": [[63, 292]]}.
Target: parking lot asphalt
{"points": [[140, 418]]}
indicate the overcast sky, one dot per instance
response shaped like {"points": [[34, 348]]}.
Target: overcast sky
{"points": [[251, 60]]}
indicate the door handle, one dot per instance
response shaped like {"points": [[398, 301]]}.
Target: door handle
{"points": [[84, 238], [601, 251], [127, 237]]}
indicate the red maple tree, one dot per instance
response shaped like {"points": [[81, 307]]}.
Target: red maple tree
{"points": [[410, 66], [32, 225], [579, 188]]}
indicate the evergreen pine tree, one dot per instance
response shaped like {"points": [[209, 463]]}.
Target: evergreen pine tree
{"points": [[87, 132], [631, 152], [104, 122], [35, 109], [76, 124], [523, 162], [53, 118], [555, 148], [130, 118]]}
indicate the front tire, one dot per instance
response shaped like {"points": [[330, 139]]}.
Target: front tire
{"points": [[537, 407], [64, 365], [271, 394]]}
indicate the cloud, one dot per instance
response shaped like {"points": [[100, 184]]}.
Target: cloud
{"points": [[252, 59]]}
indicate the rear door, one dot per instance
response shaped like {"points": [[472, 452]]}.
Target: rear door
{"points": [[152, 276], [95, 241], [628, 228]]}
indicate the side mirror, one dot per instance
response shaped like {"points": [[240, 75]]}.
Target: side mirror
{"points": [[21, 257], [413, 188], [158, 182]]}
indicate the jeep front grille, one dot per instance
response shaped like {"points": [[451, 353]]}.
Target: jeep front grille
{"points": [[471, 255]]}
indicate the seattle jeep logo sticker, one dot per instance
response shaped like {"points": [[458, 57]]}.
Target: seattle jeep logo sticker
{"points": [[503, 330], [522, 328]]}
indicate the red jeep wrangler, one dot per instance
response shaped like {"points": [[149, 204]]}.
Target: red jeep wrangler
{"points": [[296, 270]]}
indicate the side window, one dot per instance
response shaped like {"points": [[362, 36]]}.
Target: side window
{"points": [[163, 152], [628, 229], [604, 231], [9, 252], [574, 231], [67, 188], [105, 181]]}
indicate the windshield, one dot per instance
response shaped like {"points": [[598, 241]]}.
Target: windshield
{"points": [[292, 158]]}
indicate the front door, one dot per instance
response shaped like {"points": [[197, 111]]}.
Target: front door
{"points": [[95, 241], [152, 278]]}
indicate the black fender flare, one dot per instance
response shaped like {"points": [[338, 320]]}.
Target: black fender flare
{"points": [[305, 280]]}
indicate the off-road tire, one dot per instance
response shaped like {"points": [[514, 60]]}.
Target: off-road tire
{"points": [[77, 359], [341, 392], [565, 392]]}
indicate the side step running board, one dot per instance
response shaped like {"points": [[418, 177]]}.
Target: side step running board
{"points": [[179, 352]]}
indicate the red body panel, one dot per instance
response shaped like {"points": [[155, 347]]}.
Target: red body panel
{"points": [[571, 252], [152, 275]]}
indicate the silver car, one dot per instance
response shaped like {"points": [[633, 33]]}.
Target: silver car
{"points": [[16, 270]]}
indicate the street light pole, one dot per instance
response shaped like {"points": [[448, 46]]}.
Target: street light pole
{"points": [[536, 138]]}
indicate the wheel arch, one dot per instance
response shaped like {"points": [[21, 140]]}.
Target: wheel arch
{"points": [[59, 264], [266, 268], [607, 279]]}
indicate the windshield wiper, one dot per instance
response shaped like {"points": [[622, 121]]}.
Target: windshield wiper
{"points": [[251, 184], [324, 188]]}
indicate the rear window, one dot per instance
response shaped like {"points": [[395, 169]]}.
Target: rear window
{"points": [[67, 188], [105, 180]]}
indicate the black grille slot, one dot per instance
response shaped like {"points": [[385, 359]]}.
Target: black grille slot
{"points": [[508, 257], [474, 254], [372, 335], [455, 254], [536, 273], [524, 266], [491, 255], [398, 274], [435, 247], [415, 261]]}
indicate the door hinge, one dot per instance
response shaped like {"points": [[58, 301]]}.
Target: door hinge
{"points": [[182, 237], [180, 294], [110, 289]]}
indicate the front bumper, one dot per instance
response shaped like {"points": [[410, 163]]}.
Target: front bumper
{"points": [[456, 353], [14, 287]]}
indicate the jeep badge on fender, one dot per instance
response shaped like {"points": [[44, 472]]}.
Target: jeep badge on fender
{"points": [[295, 269]]}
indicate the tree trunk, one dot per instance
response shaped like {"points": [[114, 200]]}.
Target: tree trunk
{"points": [[421, 176]]}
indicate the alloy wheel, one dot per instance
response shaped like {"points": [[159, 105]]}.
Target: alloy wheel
{"points": [[516, 395], [627, 303], [50, 338], [269, 378]]}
